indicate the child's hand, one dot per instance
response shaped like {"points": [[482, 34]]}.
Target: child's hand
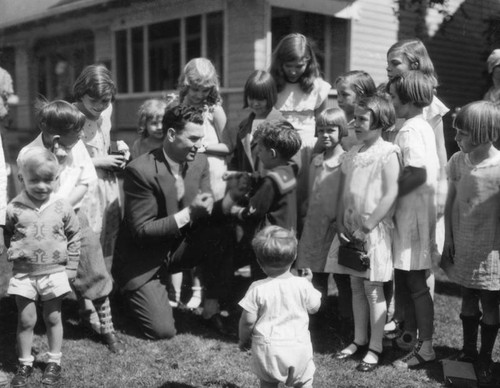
{"points": [[110, 162], [306, 273]]}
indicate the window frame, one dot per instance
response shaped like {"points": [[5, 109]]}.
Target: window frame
{"points": [[128, 27]]}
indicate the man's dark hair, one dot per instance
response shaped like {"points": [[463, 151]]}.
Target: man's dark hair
{"points": [[178, 116]]}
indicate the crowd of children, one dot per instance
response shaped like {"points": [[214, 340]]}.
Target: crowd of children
{"points": [[363, 191]]}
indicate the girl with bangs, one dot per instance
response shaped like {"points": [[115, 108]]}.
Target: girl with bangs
{"points": [[472, 238]]}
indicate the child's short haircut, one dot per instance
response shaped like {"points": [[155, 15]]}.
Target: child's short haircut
{"points": [[95, 81], [481, 119], [333, 117], [275, 247], [149, 110], [279, 135], [59, 117], [260, 85], [178, 116], [414, 87], [383, 115], [359, 81], [36, 157]]}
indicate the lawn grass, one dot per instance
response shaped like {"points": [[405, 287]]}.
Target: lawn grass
{"points": [[198, 357]]}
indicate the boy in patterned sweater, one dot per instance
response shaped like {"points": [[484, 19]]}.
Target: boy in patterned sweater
{"points": [[43, 235]]}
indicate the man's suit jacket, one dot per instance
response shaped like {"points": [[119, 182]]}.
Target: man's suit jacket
{"points": [[149, 232]]}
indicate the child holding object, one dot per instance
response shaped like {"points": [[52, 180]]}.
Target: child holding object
{"points": [[43, 235], [470, 256], [275, 314]]}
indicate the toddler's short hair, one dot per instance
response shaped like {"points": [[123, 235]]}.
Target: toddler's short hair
{"points": [[36, 157], [383, 115], [333, 117], [59, 117], [413, 87], [178, 116], [275, 247], [279, 135], [481, 119], [150, 109]]}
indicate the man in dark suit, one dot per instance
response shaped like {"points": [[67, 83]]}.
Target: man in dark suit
{"points": [[168, 225]]}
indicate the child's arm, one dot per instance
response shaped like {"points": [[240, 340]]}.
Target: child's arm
{"points": [[219, 149], [245, 329], [259, 203], [449, 245], [344, 235], [220, 121], [390, 174], [73, 236], [77, 194], [411, 178]]}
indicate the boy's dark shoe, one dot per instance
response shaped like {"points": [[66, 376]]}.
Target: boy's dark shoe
{"points": [[113, 344], [22, 376], [52, 374]]}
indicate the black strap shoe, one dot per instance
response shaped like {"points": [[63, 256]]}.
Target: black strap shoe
{"points": [[51, 374], [22, 376]]}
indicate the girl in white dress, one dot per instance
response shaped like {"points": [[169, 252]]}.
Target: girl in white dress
{"points": [[320, 209], [415, 215], [199, 87], [370, 172], [302, 95]]}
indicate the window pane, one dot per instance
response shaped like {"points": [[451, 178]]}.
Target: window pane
{"points": [[164, 55], [215, 42], [193, 37], [138, 59], [121, 61]]}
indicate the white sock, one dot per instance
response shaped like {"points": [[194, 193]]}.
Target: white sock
{"points": [[54, 357], [26, 361]]}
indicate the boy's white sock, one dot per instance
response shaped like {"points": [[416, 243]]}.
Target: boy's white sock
{"points": [[27, 361], [54, 357]]}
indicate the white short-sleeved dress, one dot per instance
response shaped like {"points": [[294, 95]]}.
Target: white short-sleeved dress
{"points": [[363, 189], [475, 222], [319, 226], [281, 337], [415, 216]]}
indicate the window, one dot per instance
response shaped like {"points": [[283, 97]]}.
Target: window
{"points": [[151, 57], [60, 60], [328, 35]]}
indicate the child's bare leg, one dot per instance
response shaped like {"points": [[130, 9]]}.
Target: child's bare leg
{"points": [[53, 323], [195, 300], [26, 313], [176, 280]]}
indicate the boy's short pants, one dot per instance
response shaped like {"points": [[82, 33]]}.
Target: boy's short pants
{"points": [[46, 287]]}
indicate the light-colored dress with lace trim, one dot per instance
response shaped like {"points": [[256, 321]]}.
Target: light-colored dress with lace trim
{"points": [[363, 190], [319, 226], [102, 204], [475, 222]]}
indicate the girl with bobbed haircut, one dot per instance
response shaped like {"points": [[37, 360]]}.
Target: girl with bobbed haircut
{"points": [[58, 117], [383, 115], [333, 117], [95, 81], [416, 53], [200, 72], [481, 119], [413, 87], [260, 85], [291, 48]]}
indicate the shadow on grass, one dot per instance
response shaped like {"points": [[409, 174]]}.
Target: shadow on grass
{"points": [[171, 384]]}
